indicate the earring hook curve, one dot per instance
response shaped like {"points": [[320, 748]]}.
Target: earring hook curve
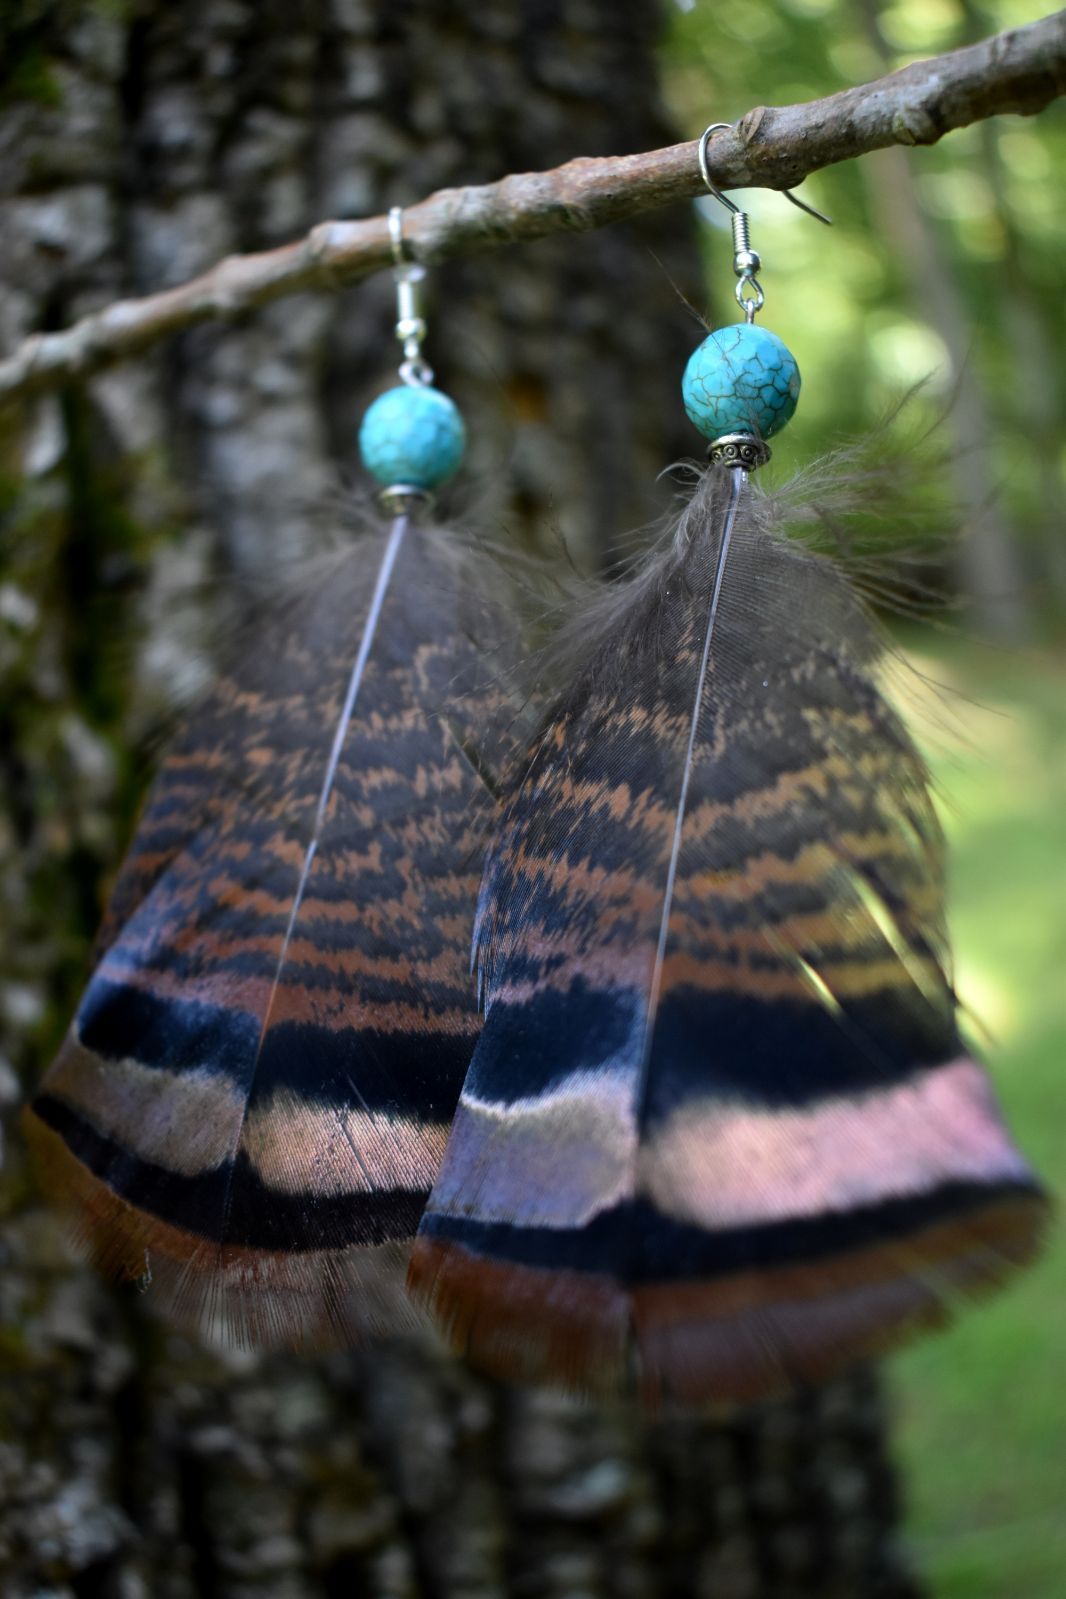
{"points": [[402, 253], [705, 173]]}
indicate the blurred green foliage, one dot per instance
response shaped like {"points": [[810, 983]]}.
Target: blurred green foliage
{"points": [[946, 263], [982, 1432]]}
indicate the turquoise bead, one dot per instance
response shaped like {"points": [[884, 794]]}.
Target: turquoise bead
{"points": [[741, 379], [412, 435]]}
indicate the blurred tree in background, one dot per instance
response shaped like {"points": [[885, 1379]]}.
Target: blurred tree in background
{"points": [[141, 141]]}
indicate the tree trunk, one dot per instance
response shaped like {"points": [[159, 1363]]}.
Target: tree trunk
{"points": [[138, 143]]}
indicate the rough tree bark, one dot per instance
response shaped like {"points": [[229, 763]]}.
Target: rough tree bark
{"points": [[139, 143]]}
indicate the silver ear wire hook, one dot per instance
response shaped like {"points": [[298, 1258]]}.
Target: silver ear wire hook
{"points": [[705, 173], [746, 261], [400, 248], [410, 323]]}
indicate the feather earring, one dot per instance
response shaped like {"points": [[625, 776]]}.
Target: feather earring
{"points": [[253, 1099], [720, 1130]]}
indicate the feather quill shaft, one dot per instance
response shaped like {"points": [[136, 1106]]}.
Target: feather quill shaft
{"points": [[736, 481], [366, 643]]}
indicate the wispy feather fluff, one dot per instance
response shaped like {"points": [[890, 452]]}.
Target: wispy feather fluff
{"points": [[719, 1125]]}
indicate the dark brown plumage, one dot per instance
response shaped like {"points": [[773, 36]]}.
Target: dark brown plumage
{"points": [[720, 1128], [254, 1097]]}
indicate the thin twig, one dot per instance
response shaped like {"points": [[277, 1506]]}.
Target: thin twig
{"points": [[1021, 71]]}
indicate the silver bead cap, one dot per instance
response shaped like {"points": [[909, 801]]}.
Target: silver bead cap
{"points": [[745, 450], [403, 499]]}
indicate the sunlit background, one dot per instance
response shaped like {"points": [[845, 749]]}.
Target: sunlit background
{"points": [[945, 264]]}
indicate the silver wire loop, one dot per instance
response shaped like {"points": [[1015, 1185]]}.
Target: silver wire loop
{"points": [[749, 295], [416, 372]]}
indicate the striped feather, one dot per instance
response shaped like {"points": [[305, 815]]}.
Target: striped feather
{"points": [[720, 1129], [253, 1100]]}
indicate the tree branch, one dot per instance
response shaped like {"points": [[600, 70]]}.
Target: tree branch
{"points": [[1021, 71]]}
